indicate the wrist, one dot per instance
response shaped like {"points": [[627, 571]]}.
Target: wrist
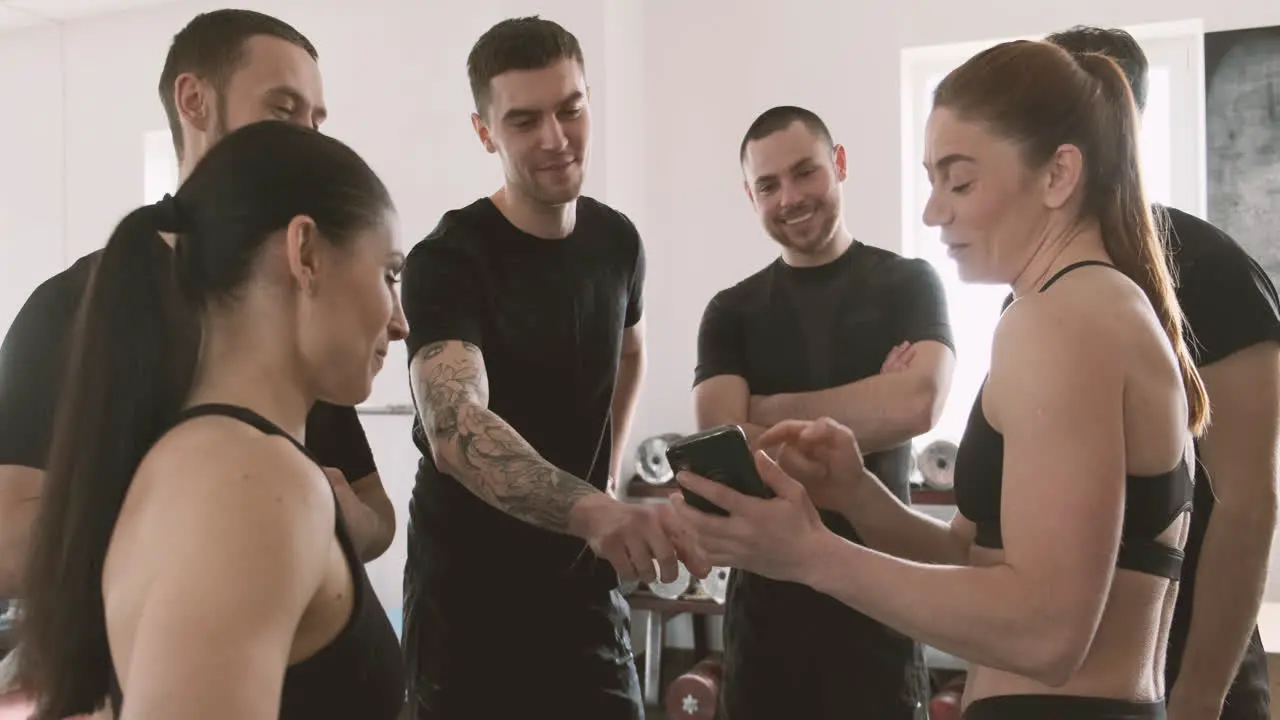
{"points": [[585, 511], [855, 497], [816, 558]]}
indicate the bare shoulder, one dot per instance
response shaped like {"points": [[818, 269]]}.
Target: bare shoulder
{"points": [[1047, 344], [221, 472]]}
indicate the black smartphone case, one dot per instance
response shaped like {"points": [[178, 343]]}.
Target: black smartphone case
{"points": [[720, 454]]}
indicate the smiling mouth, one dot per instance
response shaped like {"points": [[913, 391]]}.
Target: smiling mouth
{"points": [[798, 219]]}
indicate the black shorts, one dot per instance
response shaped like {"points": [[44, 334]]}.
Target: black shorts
{"points": [[1062, 707]]}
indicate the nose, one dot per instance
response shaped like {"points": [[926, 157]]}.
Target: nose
{"points": [[935, 214], [398, 326], [553, 137], [789, 195]]}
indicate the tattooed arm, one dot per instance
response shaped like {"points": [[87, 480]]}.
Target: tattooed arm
{"points": [[473, 444]]}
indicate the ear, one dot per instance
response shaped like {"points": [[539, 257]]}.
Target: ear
{"points": [[842, 163], [302, 244], [482, 132], [195, 102], [588, 93], [1062, 176], [746, 187]]}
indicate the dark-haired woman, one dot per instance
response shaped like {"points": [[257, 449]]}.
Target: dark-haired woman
{"points": [[1057, 578], [190, 561]]}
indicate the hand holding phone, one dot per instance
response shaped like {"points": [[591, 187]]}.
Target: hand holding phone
{"points": [[721, 454]]}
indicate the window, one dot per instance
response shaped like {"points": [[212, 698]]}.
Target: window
{"points": [[1172, 156], [159, 166]]}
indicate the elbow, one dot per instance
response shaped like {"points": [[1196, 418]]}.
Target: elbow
{"points": [[1053, 655], [443, 426], [922, 410]]}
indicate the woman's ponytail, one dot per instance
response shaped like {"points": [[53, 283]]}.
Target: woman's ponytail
{"points": [[1128, 229], [132, 360]]}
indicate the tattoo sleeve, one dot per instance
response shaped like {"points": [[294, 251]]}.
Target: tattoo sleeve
{"points": [[479, 448]]}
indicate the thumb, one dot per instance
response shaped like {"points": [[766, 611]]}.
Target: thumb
{"points": [[775, 477]]}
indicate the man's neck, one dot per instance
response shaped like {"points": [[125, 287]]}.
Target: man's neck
{"points": [[840, 241], [550, 222]]}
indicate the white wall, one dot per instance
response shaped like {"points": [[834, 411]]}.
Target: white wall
{"points": [[674, 85]]}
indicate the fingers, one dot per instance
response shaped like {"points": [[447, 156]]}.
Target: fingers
{"points": [[894, 360], [776, 478], [634, 561], [787, 431], [684, 541], [728, 499], [663, 551]]}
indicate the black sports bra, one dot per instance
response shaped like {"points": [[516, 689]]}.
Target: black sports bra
{"points": [[1151, 504], [358, 676]]}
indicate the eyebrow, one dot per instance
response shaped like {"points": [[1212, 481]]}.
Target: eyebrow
{"points": [[570, 99], [319, 112], [946, 162], [802, 162]]}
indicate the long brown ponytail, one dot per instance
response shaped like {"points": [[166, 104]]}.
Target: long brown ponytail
{"points": [[1128, 228]]}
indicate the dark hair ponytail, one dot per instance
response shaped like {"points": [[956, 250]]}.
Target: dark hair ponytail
{"points": [[132, 365], [1128, 227]]}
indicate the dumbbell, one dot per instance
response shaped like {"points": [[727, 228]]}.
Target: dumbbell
{"points": [[674, 589], [716, 584], [937, 463], [693, 695], [946, 704]]}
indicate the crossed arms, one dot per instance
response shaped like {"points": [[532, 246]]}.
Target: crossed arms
{"points": [[887, 409]]}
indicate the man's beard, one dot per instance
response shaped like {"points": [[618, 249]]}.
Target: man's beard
{"points": [[546, 194], [812, 243]]}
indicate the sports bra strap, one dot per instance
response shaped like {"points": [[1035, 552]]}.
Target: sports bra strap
{"points": [[244, 415], [1073, 266]]}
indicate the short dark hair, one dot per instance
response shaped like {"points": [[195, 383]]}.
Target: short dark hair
{"points": [[524, 43], [777, 119], [212, 47], [133, 359], [1115, 44]]}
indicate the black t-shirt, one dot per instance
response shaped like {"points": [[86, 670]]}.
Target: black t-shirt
{"points": [[790, 651], [34, 356], [1229, 304], [548, 317]]}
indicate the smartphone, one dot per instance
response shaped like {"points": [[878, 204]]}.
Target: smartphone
{"points": [[721, 454]]}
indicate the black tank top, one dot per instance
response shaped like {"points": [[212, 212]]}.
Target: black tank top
{"points": [[1151, 503], [358, 676]]}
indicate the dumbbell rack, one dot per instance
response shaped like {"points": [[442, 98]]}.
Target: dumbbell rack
{"points": [[657, 612]]}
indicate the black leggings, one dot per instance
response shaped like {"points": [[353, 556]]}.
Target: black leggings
{"points": [[1062, 707]]}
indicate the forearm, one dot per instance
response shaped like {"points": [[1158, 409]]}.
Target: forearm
{"points": [[885, 524], [980, 614], [15, 541], [370, 531], [883, 411], [626, 392], [20, 490], [1230, 580], [491, 460]]}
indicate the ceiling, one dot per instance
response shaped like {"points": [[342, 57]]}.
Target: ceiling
{"points": [[25, 13]]}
